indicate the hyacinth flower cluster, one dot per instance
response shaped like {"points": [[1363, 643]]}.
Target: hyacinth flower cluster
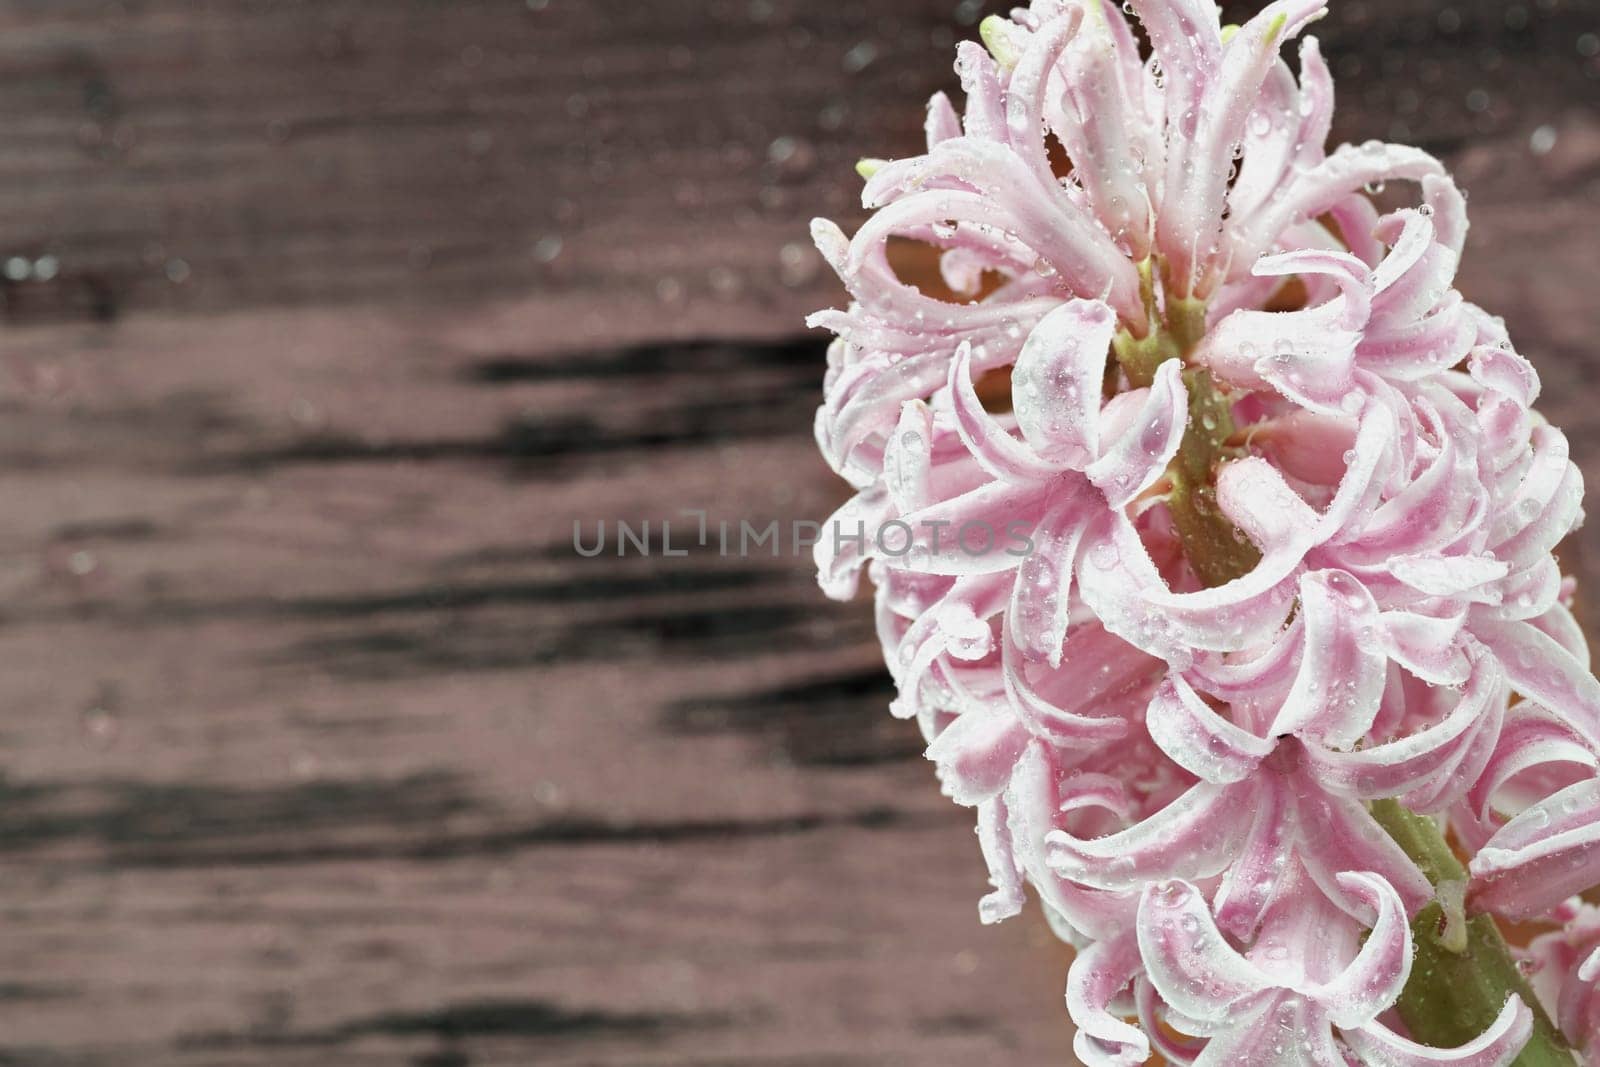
{"points": [[1235, 617]]}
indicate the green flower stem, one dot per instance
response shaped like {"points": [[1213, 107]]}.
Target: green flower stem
{"points": [[1463, 970], [1215, 548]]}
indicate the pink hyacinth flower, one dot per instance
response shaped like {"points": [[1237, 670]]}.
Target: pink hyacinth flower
{"points": [[1184, 770]]}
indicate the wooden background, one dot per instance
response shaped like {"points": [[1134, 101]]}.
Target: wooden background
{"points": [[323, 321]]}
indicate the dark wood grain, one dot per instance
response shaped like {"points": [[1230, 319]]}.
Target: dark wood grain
{"points": [[321, 745]]}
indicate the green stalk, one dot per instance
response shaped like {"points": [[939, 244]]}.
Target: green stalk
{"points": [[1463, 970]]}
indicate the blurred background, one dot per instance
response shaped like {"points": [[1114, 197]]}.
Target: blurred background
{"points": [[322, 323]]}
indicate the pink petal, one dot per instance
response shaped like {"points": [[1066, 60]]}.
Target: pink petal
{"points": [[1373, 980], [996, 451], [1005, 873], [1041, 597], [1360, 488], [1202, 136], [1346, 170], [1107, 135], [908, 458], [1341, 678], [1497, 1046], [1035, 798], [1166, 1042], [1195, 836], [1186, 39], [1541, 857], [1252, 882], [1005, 510], [942, 123], [984, 117], [1133, 462], [1026, 91], [1434, 508], [1531, 737], [839, 560], [1098, 975], [975, 755], [1426, 646], [1543, 670], [1254, 680], [1188, 960], [1057, 379], [1098, 667], [1270, 138], [1283, 1032], [1548, 504], [1448, 575], [1338, 835], [1308, 355], [1397, 767], [1123, 586], [1200, 740], [1305, 445]]}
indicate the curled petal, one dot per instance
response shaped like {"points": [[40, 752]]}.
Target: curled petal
{"points": [[1188, 960], [1391, 769], [1338, 835], [1057, 379], [1426, 646], [1008, 194], [1127, 592], [1166, 1041], [975, 755], [1448, 575], [1497, 1046], [1001, 512], [1363, 482], [1035, 800], [1548, 504], [1543, 856], [1025, 93], [1372, 982], [1308, 355], [1531, 737], [1005, 874], [1506, 373], [1341, 678], [1099, 973], [1200, 740], [1441, 504], [1041, 596], [1543, 670], [1042, 698], [996, 451], [1133, 462], [1253, 880], [1285, 1031], [1579, 1009], [1346, 170], [839, 559], [1195, 836]]}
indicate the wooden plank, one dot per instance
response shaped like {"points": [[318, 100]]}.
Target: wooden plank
{"points": [[322, 745]]}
